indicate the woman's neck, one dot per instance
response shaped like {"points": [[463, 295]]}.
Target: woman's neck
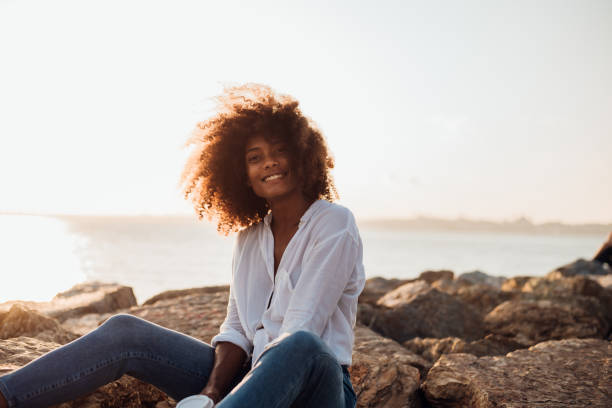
{"points": [[287, 212]]}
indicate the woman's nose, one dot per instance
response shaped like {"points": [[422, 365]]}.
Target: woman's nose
{"points": [[270, 162]]}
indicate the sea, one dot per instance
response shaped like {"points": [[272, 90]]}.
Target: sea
{"points": [[41, 256]]}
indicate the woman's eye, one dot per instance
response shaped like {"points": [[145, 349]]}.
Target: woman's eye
{"points": [[252, 158]]}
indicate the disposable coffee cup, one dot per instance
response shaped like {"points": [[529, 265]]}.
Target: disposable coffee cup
{"points": [[196, 401]]}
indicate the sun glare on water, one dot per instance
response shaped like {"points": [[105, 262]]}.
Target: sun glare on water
{"points": [[37, 258]]}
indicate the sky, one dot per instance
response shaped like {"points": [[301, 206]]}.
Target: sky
{"points": [[481, 109]]}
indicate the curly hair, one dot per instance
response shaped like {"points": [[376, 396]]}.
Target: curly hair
{"points": [[215, 177]]}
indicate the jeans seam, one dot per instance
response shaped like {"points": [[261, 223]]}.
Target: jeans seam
{"points": [[7, 394], [83, 374]]}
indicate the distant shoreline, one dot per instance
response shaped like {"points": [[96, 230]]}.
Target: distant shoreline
{"points": [[520, 225]]}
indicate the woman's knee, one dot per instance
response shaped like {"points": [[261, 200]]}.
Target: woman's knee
{"points": [[121, 327], [306, 342]]}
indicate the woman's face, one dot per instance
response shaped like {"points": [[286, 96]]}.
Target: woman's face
{"points": [[269, 169]]}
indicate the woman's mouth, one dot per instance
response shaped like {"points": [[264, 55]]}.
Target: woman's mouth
{"points": [[275, 176]]}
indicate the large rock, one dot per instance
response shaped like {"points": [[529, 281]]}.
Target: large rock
{"points": [[20, 321], [403, 293], [482, 278], [490, 345], [433, 276], [515, 283], [85, 298], [532, 321], [171, 294], [383, 373], [554, 374], [482, 297], [376, 287], [581, 267], [430, 313], [199, 315]]}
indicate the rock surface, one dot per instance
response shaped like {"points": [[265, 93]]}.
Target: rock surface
{"points": [[20, 321], [581, 267], [565, 373], [428, 313], [383, 372], [529, 322], [482, 278], [376, 287], [91, 297]]}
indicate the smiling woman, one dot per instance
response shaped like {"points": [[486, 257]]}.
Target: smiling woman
{"points": [[217, 189]]}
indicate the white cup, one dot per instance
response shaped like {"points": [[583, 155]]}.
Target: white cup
{"points": [[196, 401]]}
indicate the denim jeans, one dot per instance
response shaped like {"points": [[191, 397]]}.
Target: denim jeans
{"points": [[300, 371]]}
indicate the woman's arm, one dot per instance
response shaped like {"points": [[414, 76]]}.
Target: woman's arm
{"points": [[229, 359]]}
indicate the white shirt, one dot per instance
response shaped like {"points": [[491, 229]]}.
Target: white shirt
{"points": [[316, 287]]}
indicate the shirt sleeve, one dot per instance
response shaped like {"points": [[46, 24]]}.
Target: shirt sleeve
{"points": [[326, 271], [231, 329]]}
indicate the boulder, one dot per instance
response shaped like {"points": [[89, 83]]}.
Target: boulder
{"points": [[198, 315], [481, 277], [482, 297], [20, 321], [171, 294], [581, 267], [84, 298], [529, 322], [491, 345], [403, 293], [383, 373], [430, 313], [376, 287], [565, 373], [515, 283], [433, 276], [449, 286]]}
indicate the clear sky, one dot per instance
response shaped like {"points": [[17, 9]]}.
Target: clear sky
{"points": [[481, 109]]}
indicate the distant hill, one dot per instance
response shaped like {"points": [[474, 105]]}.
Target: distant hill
{"points": [[522, 225]]}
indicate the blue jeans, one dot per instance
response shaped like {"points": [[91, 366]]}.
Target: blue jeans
{"points": [[300, 371]]}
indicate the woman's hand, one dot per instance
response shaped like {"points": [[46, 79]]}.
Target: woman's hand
{"points": [[229, 359]]}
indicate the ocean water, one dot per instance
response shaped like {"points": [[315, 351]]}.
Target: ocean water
{"points": [[41, 256]]}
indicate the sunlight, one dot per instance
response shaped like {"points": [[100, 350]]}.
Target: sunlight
{"points": [[38, 258]]}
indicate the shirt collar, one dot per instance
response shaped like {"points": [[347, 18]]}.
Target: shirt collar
{"points": [[314, 207]]}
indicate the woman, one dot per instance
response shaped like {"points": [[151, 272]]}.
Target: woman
{"points": [[261, 168]]}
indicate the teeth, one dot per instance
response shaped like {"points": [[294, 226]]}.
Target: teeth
{"points": [[273, 177]]}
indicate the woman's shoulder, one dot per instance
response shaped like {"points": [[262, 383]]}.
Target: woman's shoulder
{"points": [[333, 218]]}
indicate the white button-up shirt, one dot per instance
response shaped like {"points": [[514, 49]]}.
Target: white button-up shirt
{"points": [[316, 287]]}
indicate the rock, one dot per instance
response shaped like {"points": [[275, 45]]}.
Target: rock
{"points": [[18, 351], [431, 349], [604, 280], [428, 314], [432, 276], [482, 297], [91, 297], [515, 283], [450, 287], [171, 294], [403, 293], [573, 287], [481, 277], [565, 373], [532, 321], [581, 267], [376, 287], [198, 315], [383, 372], [20, 321]]}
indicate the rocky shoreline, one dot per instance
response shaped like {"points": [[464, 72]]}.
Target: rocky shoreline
{"points": [[435, 341]]}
